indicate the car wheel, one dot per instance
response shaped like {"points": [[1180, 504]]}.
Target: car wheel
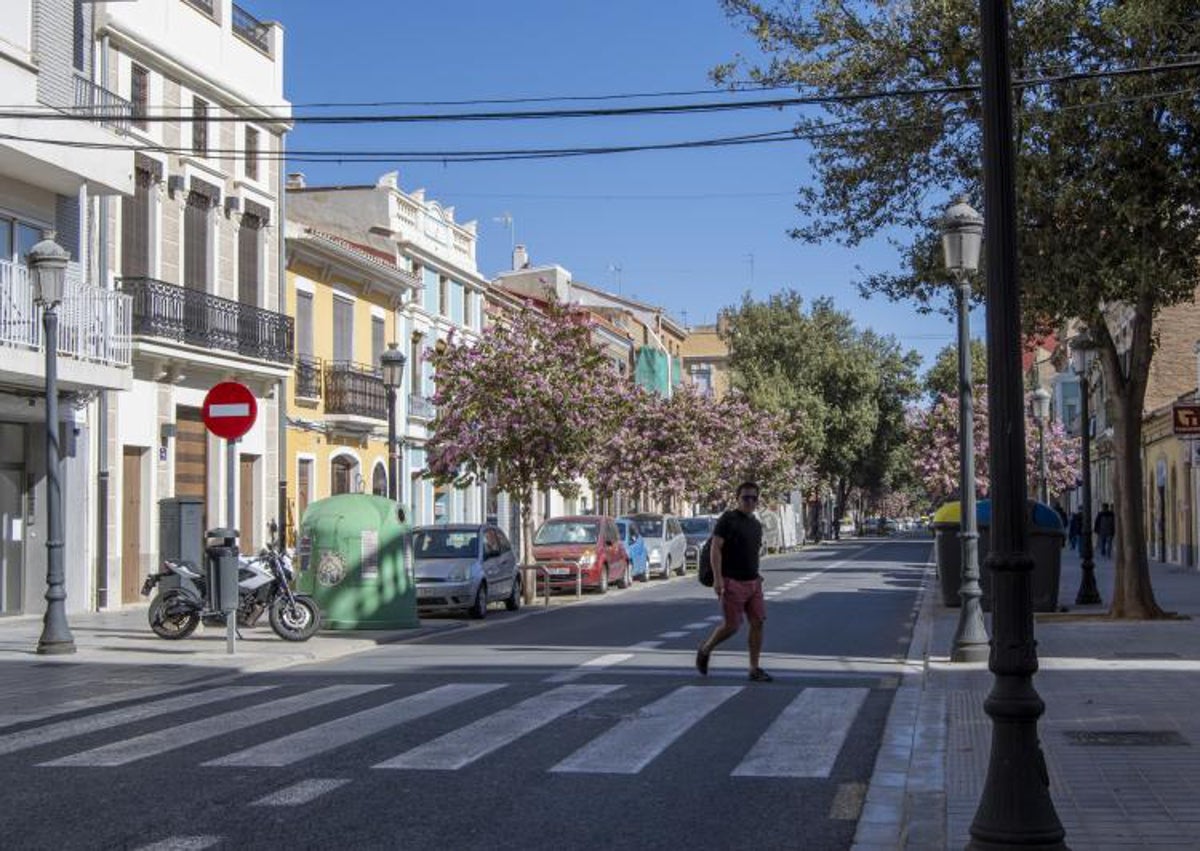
{"points": [[682, 570], [513, 603], [626, 577], [666, 570], [478, 609]]}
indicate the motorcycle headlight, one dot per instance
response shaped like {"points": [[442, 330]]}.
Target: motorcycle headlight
{"points": [[585, 560]]}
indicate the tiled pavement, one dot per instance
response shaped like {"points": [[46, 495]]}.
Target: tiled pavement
{"points": [[1098, 677]]}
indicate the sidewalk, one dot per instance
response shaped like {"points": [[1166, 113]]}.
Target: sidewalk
{"points": [[1098, 678]]}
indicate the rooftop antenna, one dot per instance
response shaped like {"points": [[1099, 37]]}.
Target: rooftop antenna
{"points": [[506, 219], [615, 268], [750, 258]]}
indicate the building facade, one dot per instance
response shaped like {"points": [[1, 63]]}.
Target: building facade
{"points": [[56, 82], [447, 300], [196, 246]]}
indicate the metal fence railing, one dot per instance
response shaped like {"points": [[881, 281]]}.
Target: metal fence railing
{"points": [[101, 105], [252, 29]]}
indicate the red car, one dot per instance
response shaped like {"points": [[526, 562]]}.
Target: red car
{"points": [[585, 546]]}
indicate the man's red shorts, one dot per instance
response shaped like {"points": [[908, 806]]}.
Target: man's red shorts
{"points": [[743, 598]]}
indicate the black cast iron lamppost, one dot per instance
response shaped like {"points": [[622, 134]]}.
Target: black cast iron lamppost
{"points": [[1081, 363], [48, 271], [391, 364], [962, 239], [1015, 808], [1039, 409]]}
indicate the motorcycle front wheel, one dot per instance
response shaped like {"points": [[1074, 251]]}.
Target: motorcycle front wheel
{"points": [[297, 619], [171, 625]]}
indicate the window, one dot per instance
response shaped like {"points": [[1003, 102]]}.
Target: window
{"points": [[199, 127], [304, 324], [17, 238], [195, 240], [342, 474], [377, 344], [251, 153], [379, 481], [444, 295], [303, 487], [139, 95], [414, 364], [79, 37], [249, 242], [135, 226], [343, 330]]}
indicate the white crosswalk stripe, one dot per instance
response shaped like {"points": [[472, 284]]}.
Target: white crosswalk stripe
{"points": [[182, 735], [804, 741], [628, 747], [475, 741], [300, 793], [342, 731], [116, 717]]}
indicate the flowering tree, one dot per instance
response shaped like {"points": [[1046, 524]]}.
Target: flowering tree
{"points": [[936, 451], [526, 402]]}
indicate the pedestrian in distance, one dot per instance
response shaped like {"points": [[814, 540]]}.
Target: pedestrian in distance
{"points": [[1075, 529], [736, 542], [1105, 528]]}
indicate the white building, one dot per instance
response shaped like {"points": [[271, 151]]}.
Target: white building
{"points": [[440, 253], [54, 83], [196, 244]]}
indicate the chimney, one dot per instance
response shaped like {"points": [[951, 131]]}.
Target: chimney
{"points": [[295, 180], [520, 258]]}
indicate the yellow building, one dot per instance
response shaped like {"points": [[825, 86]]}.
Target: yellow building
{"points": [[706, 360], [344, 296]]}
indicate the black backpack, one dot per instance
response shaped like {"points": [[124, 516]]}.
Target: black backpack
{"points": [[704, 571]]}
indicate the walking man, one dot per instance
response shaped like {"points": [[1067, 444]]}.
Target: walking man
{"points": [[1105, 527], [736, 541]]}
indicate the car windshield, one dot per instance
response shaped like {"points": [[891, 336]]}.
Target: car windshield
{"points": [[445, 543], [649, 527], [696, 525], [567, 532]]}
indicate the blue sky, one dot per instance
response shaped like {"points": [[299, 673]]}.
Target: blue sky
{"points": [[689, 230]]}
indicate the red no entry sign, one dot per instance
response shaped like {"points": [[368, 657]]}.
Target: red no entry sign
{"points": [[229, 410]]}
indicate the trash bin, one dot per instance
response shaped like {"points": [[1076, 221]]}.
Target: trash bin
{"points": [[354, 561], [948, 551], [1046, 534]]}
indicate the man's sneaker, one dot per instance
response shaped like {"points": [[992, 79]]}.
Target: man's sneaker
{"points": [[702, 661], [758, 675]]}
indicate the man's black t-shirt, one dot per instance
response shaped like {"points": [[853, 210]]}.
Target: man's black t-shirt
{"points": [[741, 535]]}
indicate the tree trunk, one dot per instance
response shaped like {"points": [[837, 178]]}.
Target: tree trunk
{"points": [[1133, 594], [529, 590]]}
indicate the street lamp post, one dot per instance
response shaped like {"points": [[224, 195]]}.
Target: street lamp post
{"points": [[48, 271], [1015, 808], [1039, 406], [1081, 362], [962, 239], [391, 364]]}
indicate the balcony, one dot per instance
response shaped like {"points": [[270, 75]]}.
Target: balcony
{"points": [[420, 407], [308, 377], [182, 315], [355, 397], [251, 29], [101, 105], [94, 331]]}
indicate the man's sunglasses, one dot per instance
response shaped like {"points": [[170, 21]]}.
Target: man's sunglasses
{"points": [[750, 497]]}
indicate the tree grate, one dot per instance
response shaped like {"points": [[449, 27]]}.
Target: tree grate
{"points": [[1127, 738]]}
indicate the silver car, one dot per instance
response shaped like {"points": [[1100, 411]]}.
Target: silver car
{"points": [[665, 543], [464, 567]]}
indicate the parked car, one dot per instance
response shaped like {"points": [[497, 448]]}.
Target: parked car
{"points": [[665, 543], [588, 546], [697, 530], [464, 568], [635, 547]]}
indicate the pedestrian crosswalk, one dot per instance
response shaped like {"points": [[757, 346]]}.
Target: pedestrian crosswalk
{"points": [[801, 732]]}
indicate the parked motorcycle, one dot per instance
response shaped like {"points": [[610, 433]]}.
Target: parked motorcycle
{"points": [[264, 585]]}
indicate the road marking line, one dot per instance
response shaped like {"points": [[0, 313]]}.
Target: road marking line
{"points": [[805, 739], [300, 793], [697, 625], [631, 745], [181, 735], [183, 843], [475, 741], [342, 731], [116, 717], [605, 661], [675, 634], [646, 645]]}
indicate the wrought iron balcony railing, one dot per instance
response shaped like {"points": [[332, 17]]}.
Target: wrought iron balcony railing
{"points": [[420, 407], [94, 324], [355, 390], [197, 318], [101, 105], [252, 29], [308, 377]]}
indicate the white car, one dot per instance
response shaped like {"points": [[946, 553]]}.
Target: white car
{"points": [[665, 543]]}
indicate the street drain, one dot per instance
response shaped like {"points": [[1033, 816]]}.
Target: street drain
{"points": [[1127, 738]]}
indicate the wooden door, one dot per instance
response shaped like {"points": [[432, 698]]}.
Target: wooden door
{"points": [[191, 457], [247, 537], [131, 524]]}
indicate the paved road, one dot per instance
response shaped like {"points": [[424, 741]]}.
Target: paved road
{"points": [[576, 727]]}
